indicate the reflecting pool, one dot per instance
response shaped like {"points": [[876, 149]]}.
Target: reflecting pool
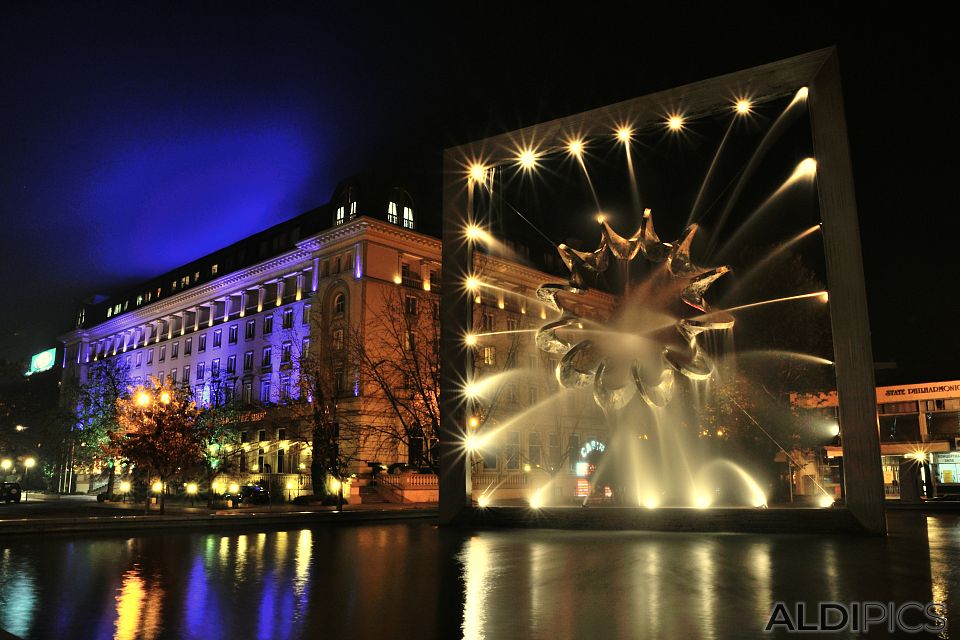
{"points": [[413, 580]]}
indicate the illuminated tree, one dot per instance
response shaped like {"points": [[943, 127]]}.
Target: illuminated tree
{"points": [[220, 425], [97, 415], [160, 431]]}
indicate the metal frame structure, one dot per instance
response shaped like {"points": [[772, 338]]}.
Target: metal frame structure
{"points": [[819, 71]]}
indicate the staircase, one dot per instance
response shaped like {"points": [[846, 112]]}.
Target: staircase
{"points": [[370, 495]]}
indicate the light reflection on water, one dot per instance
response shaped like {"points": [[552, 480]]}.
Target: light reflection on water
{"points": [[413, 580]]}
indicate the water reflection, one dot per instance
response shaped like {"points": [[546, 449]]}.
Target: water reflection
{"points": [[413, 580]]}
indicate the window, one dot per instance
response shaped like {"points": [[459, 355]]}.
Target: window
{"points": [[259, 460], [306, 314], [200, 368], [186, 374], [231, 365], [287, 318], [410, 341], [188, 346], [286, 350], [325, 269], [268, 324], [174, 350], [139, 358], [338, 219], [173, 376], [234, 333], [265, 359], [265, 391], [339, 303], [533, 394], [408, 217], [149, 356], [410, 305], [353, 209], [511, 393], [217, 338], [339, 384], [251, 330], [305, 348], [573, 451], [486, 323], [512, 324], [163, 353], [214, 269], [202, 343], [337, 342], [247, 394], [489, 355], [262, 435], [248, 361], [284, 387], [160, 377], [336, 265], [553, 450], [511, 450], [215, 368], [534, 449], [392, 212], [281, 434]]}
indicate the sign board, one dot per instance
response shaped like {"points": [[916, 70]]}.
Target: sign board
{"points": [[583, 488], [42, 361]]}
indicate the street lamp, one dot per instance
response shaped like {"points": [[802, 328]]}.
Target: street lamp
{"points": [[6, 464], [124, 489], [28, 464]]}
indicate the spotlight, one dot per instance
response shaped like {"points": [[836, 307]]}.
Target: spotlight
{"points": [[802, 94], [624, 134], [824, 297], [471, 390], [743, 106], [483, 501], [601, 218], [192, 488], [536, 502], [472, 283], [124, 487], [701, 501], [675, 122], [825, 501], [834, 430], [470, 340], [474, 422], [477, 172], [651, 502], [473, 232], [472, 443], [157, 487], [527, 159], [575, 147]]}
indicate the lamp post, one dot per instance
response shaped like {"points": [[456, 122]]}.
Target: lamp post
{"points": [[28, 464]]}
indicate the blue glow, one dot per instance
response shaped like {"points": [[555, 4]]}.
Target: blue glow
{"points": [[358, 269]]}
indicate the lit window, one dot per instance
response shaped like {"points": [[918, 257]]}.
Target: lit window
{"points": [[353, 209], [489, 355], [339, 303], [213, 269], [339, 217], [392, 212], [408, 217], [217, 338]]}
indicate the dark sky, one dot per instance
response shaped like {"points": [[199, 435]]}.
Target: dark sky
{"points": [[137, 137]]}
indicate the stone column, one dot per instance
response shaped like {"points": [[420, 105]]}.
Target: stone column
{"points": [[261, 294], [300, 285], [279, 292], [315, 276]]}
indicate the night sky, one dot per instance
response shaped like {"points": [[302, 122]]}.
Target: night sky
{"points": [[139, 137]]}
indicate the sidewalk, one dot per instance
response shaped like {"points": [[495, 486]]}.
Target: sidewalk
{"points": [[70, 514]]}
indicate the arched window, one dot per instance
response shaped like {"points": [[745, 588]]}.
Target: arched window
{"points": [[339, 303]]}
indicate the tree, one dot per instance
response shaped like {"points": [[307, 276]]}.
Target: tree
{"points": [[160, 431], [220, 425], [398, 362], [97, 403]]}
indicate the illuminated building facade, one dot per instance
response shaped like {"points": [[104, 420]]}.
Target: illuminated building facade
{"points": [[233, 326]]}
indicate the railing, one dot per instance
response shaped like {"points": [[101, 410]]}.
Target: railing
{"points": [[409, 480], [500, 480]]}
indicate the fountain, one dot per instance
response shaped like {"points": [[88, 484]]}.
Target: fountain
{"points": [[682, 442]]}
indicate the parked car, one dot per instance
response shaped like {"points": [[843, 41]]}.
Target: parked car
{"points": [[10, 492], [249, 494]]}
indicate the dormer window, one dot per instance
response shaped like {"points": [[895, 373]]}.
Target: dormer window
{"points": [[392, 212], [408, 217], [353, 209], [339, 217]]}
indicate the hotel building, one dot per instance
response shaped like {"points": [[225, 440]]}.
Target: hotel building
{"points": [[232, 326]]}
